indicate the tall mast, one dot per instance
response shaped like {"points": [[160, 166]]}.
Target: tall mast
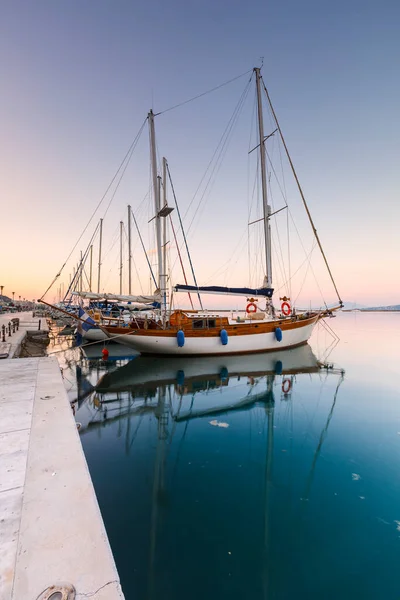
{"points": [[121, 225], [91, 267], [81, 274], [164, 270], [156, 191], [100, 241], [129, 252], [266, 207]]}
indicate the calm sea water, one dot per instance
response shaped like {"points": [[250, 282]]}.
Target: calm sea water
{"points": [[250, 478]]}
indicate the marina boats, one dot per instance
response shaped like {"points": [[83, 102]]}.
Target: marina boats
{"points": [[107, 309], [262, 326]]}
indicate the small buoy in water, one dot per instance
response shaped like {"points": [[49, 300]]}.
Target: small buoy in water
{"points": [[105, 353]]}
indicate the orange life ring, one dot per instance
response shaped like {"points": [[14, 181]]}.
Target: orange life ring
{"points": [[286, 386], [251, 305], [285, 308]]}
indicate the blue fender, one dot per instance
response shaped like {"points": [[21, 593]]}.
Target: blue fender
{"points": [[224, 337], [224, 374], [278, 367], [180, 336], [180, 377], [278, 334]]}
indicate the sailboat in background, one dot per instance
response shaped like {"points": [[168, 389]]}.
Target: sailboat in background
{"points": [[190, 332]]}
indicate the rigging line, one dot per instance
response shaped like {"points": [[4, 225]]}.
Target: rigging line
{"points": [[86, 253], [144, 249], [183, 233], [302, 195], [248, 155], [250, 200], [255, 186], [203, 93], [288, 251], [133, 259], [124, 170], [131, 148], [305, 252], [305, 276], [216, 150], [317, 284], [114, 239], [307, 258], [239, 246], [137, 275], [282, 171], [222, 151], [276, 177], [279, 259], [113, 268], [283, 269], [180, 258], [322, 437]]}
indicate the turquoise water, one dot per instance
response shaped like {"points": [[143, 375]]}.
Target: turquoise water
{"points": [[254, 478]]}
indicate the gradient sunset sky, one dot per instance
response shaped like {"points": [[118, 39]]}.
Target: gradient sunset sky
{"points": [[78, 78]]}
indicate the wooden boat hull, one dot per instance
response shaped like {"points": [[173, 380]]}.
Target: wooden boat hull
{"points": [[242, 339]]}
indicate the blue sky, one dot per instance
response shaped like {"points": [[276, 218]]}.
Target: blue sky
{"points": [[79, 77]]}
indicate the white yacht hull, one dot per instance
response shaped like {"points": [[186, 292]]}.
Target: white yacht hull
{"points": [[94, 335], [212, 345]]}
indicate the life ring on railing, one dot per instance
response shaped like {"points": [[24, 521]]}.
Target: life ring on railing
{"points": [[253, 306], [286, 309], [286, 386]]}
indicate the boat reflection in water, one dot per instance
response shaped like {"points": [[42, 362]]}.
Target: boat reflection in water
{"points": [[187, 458], [134, 387]]}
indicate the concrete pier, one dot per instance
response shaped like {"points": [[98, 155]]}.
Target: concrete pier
{"points": [[27, 323], [51, 527]]}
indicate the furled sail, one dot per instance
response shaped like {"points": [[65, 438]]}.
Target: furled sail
{"points": [[215, 289], [118, 297]]}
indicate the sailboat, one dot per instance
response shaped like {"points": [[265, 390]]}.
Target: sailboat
{"points": [[197, 333]]}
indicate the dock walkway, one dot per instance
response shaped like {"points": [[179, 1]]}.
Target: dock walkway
{"points": [[27, 323], [51, 527]]}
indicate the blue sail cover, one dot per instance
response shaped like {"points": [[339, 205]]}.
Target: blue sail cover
{"points": [[215, 289]]}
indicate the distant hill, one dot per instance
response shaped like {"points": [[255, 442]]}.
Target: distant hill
{"points": [[382, 308], [4, 299], [352, 306], [355, 306]]}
